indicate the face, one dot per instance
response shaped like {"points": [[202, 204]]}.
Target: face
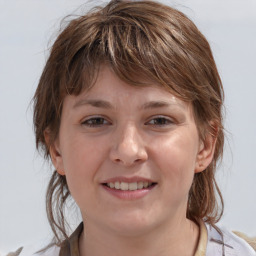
{"points": [[129, 154]]}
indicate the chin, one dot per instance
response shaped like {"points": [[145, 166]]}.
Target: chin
{"points": [[132, 224]]}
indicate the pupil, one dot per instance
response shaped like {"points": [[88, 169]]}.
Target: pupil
{"points": [[160, 121], [97, 121]]}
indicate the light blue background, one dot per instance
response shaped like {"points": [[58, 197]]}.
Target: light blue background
{"points": [[25, 30]]}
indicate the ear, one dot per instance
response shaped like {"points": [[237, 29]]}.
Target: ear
{"points": [[206, 151], [55, 153]]}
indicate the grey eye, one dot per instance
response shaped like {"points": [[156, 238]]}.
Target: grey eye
{"points": [[95, 121], [160, 121]]}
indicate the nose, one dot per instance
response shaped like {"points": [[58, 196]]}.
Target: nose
{"points": [[128, 147]]}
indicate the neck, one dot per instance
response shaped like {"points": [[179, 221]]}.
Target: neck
{"points": [[177, 238]]}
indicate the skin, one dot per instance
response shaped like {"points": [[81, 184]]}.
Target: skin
{"points": [[117, 131]]}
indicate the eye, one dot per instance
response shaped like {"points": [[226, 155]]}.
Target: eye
{"points": [[160, 121], [95, 122]]}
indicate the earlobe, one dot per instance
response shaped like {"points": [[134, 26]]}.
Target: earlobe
{"points": [[206, 153], [55, 153], [57, 159]]}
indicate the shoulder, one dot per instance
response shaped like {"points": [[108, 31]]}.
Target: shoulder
{"points": [[31, 251], [220, 239], [250, 240]]}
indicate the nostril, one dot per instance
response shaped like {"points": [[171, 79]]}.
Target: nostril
{"points": [[128, 152]]}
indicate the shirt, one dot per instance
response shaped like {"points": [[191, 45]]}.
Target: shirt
{"points": [[213, 241]]}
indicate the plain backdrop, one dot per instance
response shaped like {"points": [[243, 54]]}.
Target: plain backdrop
{"points": [[26, 27]]}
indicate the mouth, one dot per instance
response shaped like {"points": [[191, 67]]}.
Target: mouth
{"points": [[130, 186]]}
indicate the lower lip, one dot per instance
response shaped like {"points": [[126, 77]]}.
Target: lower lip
{"points": [[129, 194]]}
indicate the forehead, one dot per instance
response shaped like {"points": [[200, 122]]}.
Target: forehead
{"points": [[109, 91]]}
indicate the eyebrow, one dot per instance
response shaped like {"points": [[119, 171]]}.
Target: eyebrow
{"points": [[105, 104], [94, 103], [160, 104]]}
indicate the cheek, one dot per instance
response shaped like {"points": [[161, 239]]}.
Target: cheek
{"points": [[81, 163], [82, 159], [176, 157], [80, 153]]}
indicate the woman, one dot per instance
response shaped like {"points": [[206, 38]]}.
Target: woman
{"points": [[129, 109]]}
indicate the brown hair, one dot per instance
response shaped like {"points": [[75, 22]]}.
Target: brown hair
{"points": [[135, 39]]}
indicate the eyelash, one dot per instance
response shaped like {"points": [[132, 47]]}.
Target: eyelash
{"points": [[160, 121], [101, 121], [94, 122]]}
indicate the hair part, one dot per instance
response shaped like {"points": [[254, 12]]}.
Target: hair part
{"points": [[136, 39]]}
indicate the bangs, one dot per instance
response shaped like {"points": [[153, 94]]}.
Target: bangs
{"points": [[134, 48]]}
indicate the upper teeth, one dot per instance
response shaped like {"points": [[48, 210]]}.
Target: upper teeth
{"points": [[129, 186]]}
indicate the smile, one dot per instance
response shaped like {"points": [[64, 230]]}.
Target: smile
{"points": [[132, 188], [125, 186]]}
